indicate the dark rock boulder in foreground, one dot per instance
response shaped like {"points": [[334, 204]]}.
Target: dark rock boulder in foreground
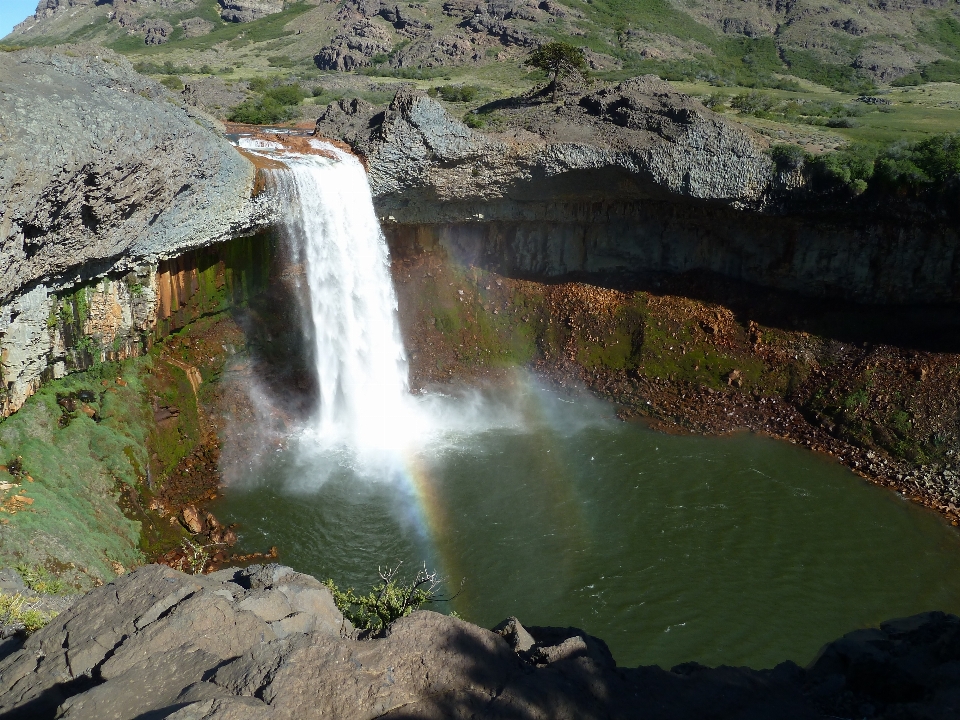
{"points": [[268, 642]]}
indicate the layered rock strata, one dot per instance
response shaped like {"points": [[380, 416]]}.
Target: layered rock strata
{"points": [[268, 642], [635, 178], [102, 176]]}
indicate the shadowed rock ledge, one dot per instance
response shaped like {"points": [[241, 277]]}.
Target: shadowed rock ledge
{"points": [[268, 642]]}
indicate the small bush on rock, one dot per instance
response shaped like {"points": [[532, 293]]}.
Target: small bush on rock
{"points": [[277, 104], [787, 157], [390, 598], [20, 615], [40, 580]]}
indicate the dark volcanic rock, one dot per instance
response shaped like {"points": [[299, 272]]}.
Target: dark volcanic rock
{"points": [[267, 642], [418, 154], [214, 95], [157, 32], [635, 178], [354, 48]]}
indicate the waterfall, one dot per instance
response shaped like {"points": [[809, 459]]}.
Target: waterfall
{"points": [[361, 368]]}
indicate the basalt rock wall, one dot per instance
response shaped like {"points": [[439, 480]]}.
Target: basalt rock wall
{"points": [[49, 334], [268, 642], [636, 178], [882, 263]]}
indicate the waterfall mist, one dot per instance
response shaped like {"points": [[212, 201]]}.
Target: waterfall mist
{"points": [[364, 420]]}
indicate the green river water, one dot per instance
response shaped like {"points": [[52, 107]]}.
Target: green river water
{"points": [[734, 550]]}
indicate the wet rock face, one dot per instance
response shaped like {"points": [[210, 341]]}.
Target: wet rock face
{"points": [[268, 642]]}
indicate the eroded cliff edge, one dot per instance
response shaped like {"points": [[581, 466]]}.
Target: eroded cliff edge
{"points": [[103, 174], [635, 178]]}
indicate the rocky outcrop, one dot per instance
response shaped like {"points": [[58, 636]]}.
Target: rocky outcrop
{"points": [[213, 95], [100, 174], [196, 27], [631, 179], [268, 642], [157, 32], [242, 11], [657, 139], [355, 47]]}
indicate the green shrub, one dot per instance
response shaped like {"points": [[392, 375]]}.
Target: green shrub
{"points": [[928, 163], [716, 101], [753, 102], [805, 64], [842, 122], [473, 120], [259, 84], [40, 580], [19, 614], [852, 166], [390, 599], [287, 94], [172, 82], [787, 157], [264, 111], [276, 105], [909, 80]]}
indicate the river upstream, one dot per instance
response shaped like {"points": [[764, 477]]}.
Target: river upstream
{"points": [[737, 550]]}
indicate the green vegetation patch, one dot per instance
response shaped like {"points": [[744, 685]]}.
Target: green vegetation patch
{"points": [[275, 104], [236, 34], [41, 580], [20, 614], [922, 166], [487, 323], [391, 598], [68, 517]]}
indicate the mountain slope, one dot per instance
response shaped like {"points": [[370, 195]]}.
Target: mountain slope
{"points": [[847, 44]]}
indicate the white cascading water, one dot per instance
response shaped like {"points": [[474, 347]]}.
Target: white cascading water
{"points": [[366, 419], [361, 367]]}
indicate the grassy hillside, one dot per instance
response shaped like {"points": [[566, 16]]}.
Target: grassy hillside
{"points": [[824, 54]]}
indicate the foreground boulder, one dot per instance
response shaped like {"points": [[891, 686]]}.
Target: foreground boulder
{"points": [[268, 642]]}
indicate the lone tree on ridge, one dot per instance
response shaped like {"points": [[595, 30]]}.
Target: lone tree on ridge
{"points": [[558, 58]]}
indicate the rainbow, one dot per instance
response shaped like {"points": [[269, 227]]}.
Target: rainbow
{"points": [[428, 507]]}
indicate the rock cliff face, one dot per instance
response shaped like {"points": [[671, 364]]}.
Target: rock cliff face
{"points": [[101, 176], [635, 178], [268, 642], [656, 141]]}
